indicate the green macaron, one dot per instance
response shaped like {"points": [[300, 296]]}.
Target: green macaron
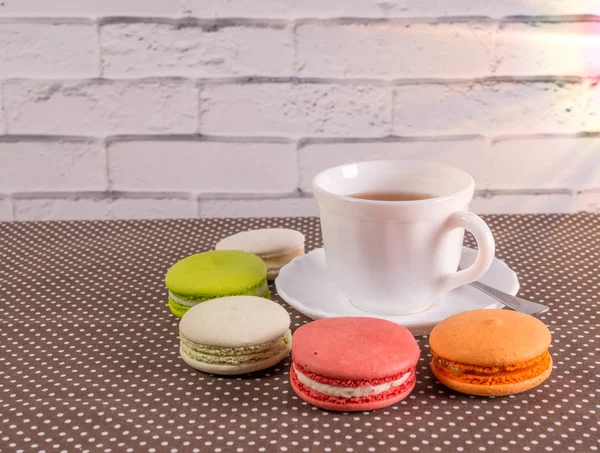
{"points": [[214, 274]]}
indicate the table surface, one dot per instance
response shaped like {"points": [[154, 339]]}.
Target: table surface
{"points": [[89, 352]]}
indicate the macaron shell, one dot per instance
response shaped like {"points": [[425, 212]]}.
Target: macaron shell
{"points": [[265, 242], [274, 264], [273, 273], [236, 321], [349, 407], [492, 390], [177, 309], [216, 273], [355, 348], [236, 369], [490, 337]]}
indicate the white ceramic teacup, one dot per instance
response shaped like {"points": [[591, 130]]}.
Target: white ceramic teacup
{"points": [[399, 257]]}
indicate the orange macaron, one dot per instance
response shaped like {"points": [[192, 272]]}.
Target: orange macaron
{"points": [[490, 352]]}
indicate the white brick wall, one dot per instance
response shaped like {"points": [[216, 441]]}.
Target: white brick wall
{"points": [[493, 108], [91, 8], [103, 208], [395, 49], [5, 209], [525, 204], [162, 108], [2, 117], [48, 49], [48, 166], [99, 107], [202, 167], [284, 207], [296, 110], [384, 9], [194, 49], [557, 162], [533, 49], [588, 201]]}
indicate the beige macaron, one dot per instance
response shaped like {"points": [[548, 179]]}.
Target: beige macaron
{"points": [[275, 246], [235, 335]]}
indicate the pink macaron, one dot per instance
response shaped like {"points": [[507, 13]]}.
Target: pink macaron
{"points": [[353, 364]]}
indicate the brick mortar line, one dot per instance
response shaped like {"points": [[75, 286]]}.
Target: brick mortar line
{"points": [[203, 197], [200, 107], [299, 142], [489, 193], [99, 49], [457, 19], [262, 22], [48, 20], [298, 80], [392, 105], [493, 52], [121, 138], [137, 195], [200, 200], [294, 31], [560, 136], [298, 178], [102, 195], [16, 138], [106, 166], [13, 208], [207, 24], [307, 141], [145, 195], [2, 111]]}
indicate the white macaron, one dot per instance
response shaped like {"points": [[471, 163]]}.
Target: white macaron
{"points": [[276, 246], [235, 335]]}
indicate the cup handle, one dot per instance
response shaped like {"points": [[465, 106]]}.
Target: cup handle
{"points": [[485, 254]]}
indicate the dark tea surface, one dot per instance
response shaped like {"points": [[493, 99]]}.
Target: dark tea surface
{"points": [[391, 196]]}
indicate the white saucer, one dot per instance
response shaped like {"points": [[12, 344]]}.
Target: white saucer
{"points": [[304, 284]]}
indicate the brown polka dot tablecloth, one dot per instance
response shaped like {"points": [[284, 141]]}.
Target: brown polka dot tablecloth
{"points": [[89, 352]]}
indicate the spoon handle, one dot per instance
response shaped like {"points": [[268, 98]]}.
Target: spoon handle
{"points": [[514, 302]]}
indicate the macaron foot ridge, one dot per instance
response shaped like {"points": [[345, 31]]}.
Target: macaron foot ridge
{"points": [[341, 404], [241, 368], [179, 305], [177, 309], [491, 390], [479, 375], [220, 351], [235, 356]]}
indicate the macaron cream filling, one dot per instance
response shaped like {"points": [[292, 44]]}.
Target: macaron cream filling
{"points": [[517, 372], [274, 262], [349, 392], [260, 290], [232, 356]]}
